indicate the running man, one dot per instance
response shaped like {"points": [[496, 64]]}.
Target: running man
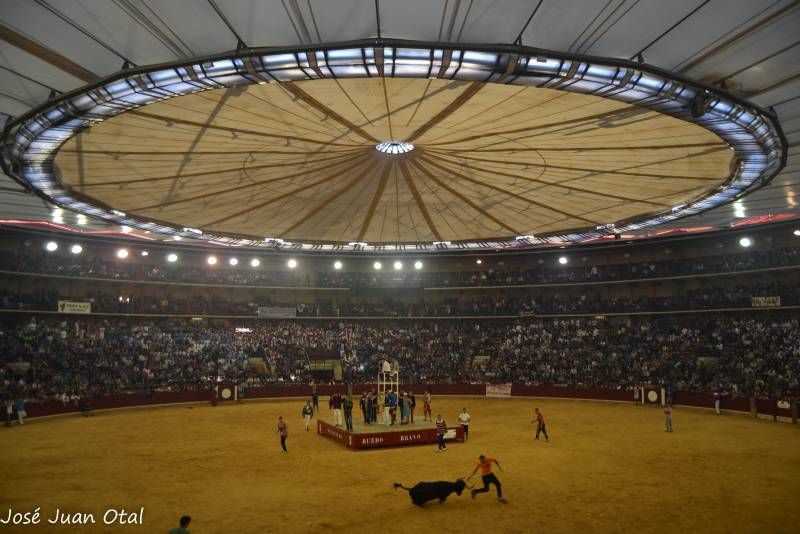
{"points": [[441, 430], [426, 406], [540, 426], [308, 412], [283, 430], [464, 418], [485, 465]]}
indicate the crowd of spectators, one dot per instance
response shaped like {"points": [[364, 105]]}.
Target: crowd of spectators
{"points": [[523, 303], [35, 261], [748, 354]]}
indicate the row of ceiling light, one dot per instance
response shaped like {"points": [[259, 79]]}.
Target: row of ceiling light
{"points": [[122, 253]]}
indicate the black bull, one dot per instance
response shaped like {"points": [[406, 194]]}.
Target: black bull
{"points": [[427, 491]]}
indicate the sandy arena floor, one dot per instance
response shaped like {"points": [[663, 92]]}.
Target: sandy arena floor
{"points": [[607, 468]]}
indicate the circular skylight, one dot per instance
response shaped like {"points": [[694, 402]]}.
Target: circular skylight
{"points": [[394, 147]]}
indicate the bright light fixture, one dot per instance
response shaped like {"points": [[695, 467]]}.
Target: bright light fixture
{"points": [[292, 263], [478, 261], [563, 260], [418, 265], [76, 249], [394, 147], [122, 253], [211, 260], [398, 265], [145, 253], [172, 257], [51, 246], [797, 233], [745, 242], [377, 266], [337, 265], [233, 262], [255, 262]]}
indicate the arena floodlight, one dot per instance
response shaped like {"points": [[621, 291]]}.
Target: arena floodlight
{"points": [[745, 242], [145, 253], [398, 265], [233, 262], [337, 265], [479, 261], [377, 266], [122, 253], [172, 257], [51, 246], [76, 249], [797, 233], [211, 260], [563, 260], [418, 265], [292, 263], [255, 262]]}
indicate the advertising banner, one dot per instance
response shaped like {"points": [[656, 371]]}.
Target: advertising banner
{"points": [[68, 306]]}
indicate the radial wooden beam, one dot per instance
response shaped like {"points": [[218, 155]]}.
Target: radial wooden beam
{"points": [[376, 198], [325, 203], [463, 198], [210, 172], [596, 171], [418, 198], [511, 194], [257, 183], [471, 90], [557, 185], [322, 108], [272, 200], [229, 129]]}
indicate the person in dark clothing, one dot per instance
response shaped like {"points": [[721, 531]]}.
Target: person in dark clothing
{"points": [[374, 413], [184, 526], [363, 405], [314, 397], [412, 403], [348, 412]]}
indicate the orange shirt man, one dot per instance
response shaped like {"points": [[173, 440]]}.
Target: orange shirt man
{"points": [[485, 465]]}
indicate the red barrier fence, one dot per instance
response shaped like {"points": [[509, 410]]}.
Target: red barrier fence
{"points": [[765, 407]]}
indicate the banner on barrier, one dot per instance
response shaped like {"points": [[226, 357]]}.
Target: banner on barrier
{"points": [[765, 302], [498, 390], [68, 306]]}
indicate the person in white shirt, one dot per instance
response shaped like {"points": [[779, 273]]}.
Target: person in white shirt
{"points": [[464, 418]]}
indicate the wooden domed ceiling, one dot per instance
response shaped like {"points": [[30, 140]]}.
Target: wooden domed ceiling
{"points": [[298, 161]]}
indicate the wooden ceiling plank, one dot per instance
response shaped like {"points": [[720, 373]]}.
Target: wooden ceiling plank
{"points": [[418, 198]]}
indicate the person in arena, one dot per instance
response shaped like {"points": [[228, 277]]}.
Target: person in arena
{"points": [[441, 430], [393, 406], [464, 419], [412, 403], [667, 418], [405, 409], [540, 425], [362, 403], [347, 404], [426, 406], [283, 430], [485, 465], [335, 404], [8, 406], [387, 406], [308, 413], [184, 526], [19, 406], [314, 397]]}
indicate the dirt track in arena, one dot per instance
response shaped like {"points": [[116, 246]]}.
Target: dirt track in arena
{"points": [[608, 468]]}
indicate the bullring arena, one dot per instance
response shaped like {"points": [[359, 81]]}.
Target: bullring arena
{"points": [[609, 466], [409, 266]]}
